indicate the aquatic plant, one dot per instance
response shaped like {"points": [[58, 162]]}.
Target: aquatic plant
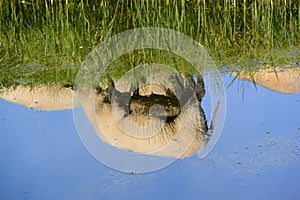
{"points": [[45, 42]]}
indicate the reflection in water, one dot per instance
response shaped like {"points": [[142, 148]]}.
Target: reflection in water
{"points": [[154, 117], [283, 80], [154, 122], [40, 98], [161, 116]]}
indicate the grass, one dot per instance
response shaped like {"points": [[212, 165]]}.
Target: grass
{"points": [[45, 43]]}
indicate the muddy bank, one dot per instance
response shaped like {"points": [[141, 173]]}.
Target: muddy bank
{"points": [[282, 80], [48, 98]]}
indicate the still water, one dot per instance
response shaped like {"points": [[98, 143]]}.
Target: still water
{"points": [[256, 157]]}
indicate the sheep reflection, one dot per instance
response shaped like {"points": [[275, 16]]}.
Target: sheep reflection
{"points": [[161, 116]]}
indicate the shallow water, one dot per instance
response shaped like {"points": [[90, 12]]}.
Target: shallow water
{"points": [[256, 157]]}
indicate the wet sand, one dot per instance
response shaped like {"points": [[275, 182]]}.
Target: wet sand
{"points": [[282, 80]]}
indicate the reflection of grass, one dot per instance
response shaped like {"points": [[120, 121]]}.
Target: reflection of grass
{"points": [[128, 61], [44, 43]]}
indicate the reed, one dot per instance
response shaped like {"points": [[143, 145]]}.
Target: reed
{"points": [[45, 42]]}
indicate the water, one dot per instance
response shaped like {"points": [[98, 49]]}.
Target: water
{"points": [[256, 157], [44, 43]]}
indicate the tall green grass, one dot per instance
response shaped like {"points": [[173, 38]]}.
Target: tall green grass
{"points": [[45, 43]]}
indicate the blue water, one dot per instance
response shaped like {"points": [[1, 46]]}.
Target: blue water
{"points": [[256, 157]]}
